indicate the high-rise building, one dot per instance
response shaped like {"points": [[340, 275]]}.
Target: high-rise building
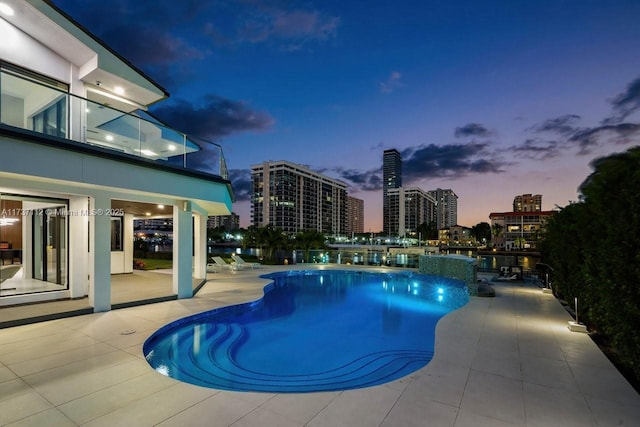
{"points": [[295, 198], [527, 203], [355, 215], [408, 209], [392, 178], [229, 222], [446, 207]]}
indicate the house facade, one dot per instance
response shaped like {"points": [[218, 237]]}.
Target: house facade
{"points": [[80, 159], [517, 230]]}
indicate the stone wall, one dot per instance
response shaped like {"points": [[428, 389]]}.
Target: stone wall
{"points": [[454, 266]]}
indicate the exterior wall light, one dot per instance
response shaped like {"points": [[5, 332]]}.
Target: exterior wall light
{"points": [[5, 9]]}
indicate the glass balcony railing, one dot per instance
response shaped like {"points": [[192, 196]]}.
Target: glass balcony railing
{"points": [[38, 107]]}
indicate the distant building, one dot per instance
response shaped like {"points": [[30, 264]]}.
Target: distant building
{"points": [[392, 178], [228, 222], [446, 207], [355, 215], [408, 209], [151, 226], [295, 198], [527, 203], [517, 230], [455, 235]]}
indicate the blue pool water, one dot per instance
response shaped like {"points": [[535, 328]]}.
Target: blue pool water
{"points": [[314, 330]]}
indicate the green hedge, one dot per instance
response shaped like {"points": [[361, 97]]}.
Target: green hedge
{"points": [[594, 248]]}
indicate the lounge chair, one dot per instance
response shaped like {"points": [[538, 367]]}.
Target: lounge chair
{"points": [[242, 263], [219, 264], [513, 277], [8, 271]]}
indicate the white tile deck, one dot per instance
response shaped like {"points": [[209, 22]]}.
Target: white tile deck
{"points": [[504, 361]]}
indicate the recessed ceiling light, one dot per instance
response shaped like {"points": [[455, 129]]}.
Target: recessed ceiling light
{"points": [[160, 206], [147, 213], [172, 147], [119, 90], [109, 137], [5, 9]]}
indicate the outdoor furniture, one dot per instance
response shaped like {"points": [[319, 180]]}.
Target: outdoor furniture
{"points": [[219, 264], [242, 263]]}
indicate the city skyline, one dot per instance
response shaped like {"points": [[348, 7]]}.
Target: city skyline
{"points": [[490, 100]]}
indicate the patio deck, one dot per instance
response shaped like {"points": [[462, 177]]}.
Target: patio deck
{"points": [[503, 361]]}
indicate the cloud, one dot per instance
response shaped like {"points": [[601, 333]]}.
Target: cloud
{"points": [[214, 118], [585, 139], [625, 103], [276, 23], [536, 149], [448, 161], [241, 183], [564, 125], [370, 180], [621, 134], [472, 129], [393, 82], [145, 33]]}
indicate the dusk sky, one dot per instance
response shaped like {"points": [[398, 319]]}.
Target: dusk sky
{"points": [[488, 98]]}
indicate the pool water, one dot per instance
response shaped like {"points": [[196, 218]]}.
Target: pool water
{"points": [[314, 330]]}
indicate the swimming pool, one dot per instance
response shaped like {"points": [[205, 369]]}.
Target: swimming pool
{"points": [[314, 330]]}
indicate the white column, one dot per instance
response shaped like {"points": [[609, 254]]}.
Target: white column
{"points": [[100, 259], [127, 241], [200, 246], [78, 249], [182, 241]]}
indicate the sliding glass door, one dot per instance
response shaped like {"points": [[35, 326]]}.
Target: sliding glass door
{"points": [[50, 245]]}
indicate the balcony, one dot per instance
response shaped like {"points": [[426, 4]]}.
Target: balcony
{"points": [[58, 115]]}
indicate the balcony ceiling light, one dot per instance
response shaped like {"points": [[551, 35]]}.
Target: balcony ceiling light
{"points": [[5, 9], [119, 90]]}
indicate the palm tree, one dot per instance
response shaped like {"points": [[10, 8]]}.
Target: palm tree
{"points": [[428, 230], [309, 239], [268, 239]]}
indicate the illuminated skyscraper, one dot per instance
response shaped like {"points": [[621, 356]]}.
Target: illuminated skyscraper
{"points": [[392, 178], [355, 213]]}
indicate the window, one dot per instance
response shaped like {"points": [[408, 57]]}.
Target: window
{"points": [[116, 233], [52, 119]]}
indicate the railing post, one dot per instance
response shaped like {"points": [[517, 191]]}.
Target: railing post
{"points": [[184, 150]]}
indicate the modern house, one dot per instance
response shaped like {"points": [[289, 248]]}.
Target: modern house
{"points": [[80, 158]]}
